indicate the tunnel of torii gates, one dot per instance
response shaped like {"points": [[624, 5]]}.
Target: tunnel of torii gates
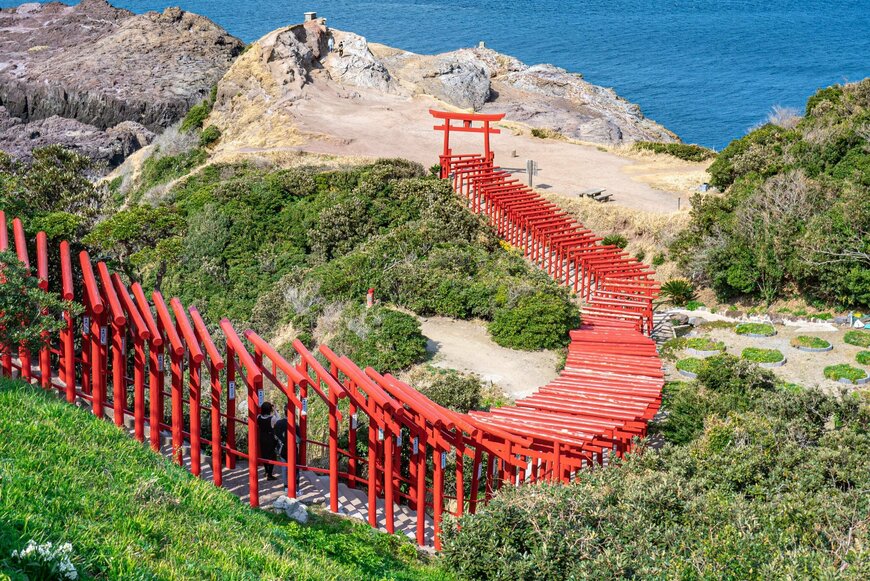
{"points": [[111, 359]]}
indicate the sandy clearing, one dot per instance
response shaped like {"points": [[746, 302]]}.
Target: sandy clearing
{"points": [[340, 120], [466, 346]]}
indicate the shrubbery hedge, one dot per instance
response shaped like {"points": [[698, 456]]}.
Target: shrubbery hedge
{"points": [[686, 151]]}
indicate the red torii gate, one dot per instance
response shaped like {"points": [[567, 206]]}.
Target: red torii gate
{"points": [[467, 126]]}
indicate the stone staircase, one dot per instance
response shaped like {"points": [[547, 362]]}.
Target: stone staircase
{"points": [[662, 327]]}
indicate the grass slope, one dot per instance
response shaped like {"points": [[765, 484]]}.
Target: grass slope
{"points": [[67, 477]]}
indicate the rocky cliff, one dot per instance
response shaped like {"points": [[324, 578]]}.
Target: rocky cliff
{"points": [[102, 78], [283, 75]]}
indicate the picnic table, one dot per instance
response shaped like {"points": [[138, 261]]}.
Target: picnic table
{"points": [[596, 194]]}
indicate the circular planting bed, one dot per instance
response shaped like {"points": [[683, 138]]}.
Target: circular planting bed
{"points": [[764, 357], [755, 330], [811, 344], [859, 338], [689, 367], [846, 374], [704, 347], [863, 357]]}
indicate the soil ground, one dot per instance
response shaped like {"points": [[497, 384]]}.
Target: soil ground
{"points": [[466, 346]]}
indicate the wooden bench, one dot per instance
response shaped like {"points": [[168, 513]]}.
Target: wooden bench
{"points": [[591, 193], [602, 197]]}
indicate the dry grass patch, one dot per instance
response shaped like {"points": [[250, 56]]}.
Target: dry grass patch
{"points": [[648, 234]]}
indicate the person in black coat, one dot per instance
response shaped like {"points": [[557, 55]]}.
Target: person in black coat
{"points": [[268, 441]]}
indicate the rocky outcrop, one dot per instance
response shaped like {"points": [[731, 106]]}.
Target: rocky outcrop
{"points": [[542, 96], [357, 66], [456, 77], [110, 146], [102, 66], [294, 63]]}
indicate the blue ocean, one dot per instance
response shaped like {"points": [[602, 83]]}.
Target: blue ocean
{"points": [[707, 69]]}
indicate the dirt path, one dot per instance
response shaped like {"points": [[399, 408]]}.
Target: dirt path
{"points": [[466, 346]]}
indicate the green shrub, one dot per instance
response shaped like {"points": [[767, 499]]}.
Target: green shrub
{"points": [[694, 305], [757, 355], [690, 364], [863, 357], [793, 198], [658, 259], [28, 311], [704, 344], [765, 329], [686, 151], [617, 240], [858, 338], [810, 342], [382, 338], [196, 116], [461, 392], [338, 233], [209, 136], [159, 169], [844, 371], [540, 320], [678, 292]]}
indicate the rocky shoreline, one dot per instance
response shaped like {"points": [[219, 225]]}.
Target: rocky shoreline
{"points": [[101, 79]]}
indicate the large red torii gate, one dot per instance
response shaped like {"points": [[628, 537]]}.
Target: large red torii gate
{"points": [[467, 126]]}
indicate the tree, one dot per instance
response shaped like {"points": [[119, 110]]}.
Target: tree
{"points": [[26, 311], [56, 180], [143, 239]]}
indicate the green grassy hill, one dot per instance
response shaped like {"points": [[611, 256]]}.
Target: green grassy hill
{"points": [[129, 514]]}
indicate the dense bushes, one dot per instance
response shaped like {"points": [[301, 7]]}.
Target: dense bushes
{"points": [[678, 292], [795, 213], [159, 169], [461, 392], [534, 321], [684, 151], [767, 483], [382, 338], [53, 192]]}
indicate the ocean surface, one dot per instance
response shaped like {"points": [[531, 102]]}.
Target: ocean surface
{"points": [[708, 70]]}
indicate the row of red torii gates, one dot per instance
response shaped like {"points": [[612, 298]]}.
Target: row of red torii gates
{"points": [[610, 388]]}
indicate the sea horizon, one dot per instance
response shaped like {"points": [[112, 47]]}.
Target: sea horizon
{"points": [[708, 71]]}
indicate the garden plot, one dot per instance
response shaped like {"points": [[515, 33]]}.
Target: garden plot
{"points": [[801, 367]]}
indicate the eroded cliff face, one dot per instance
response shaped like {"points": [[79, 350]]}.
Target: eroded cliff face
{"points": [[101, 66], [289, 73]]}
